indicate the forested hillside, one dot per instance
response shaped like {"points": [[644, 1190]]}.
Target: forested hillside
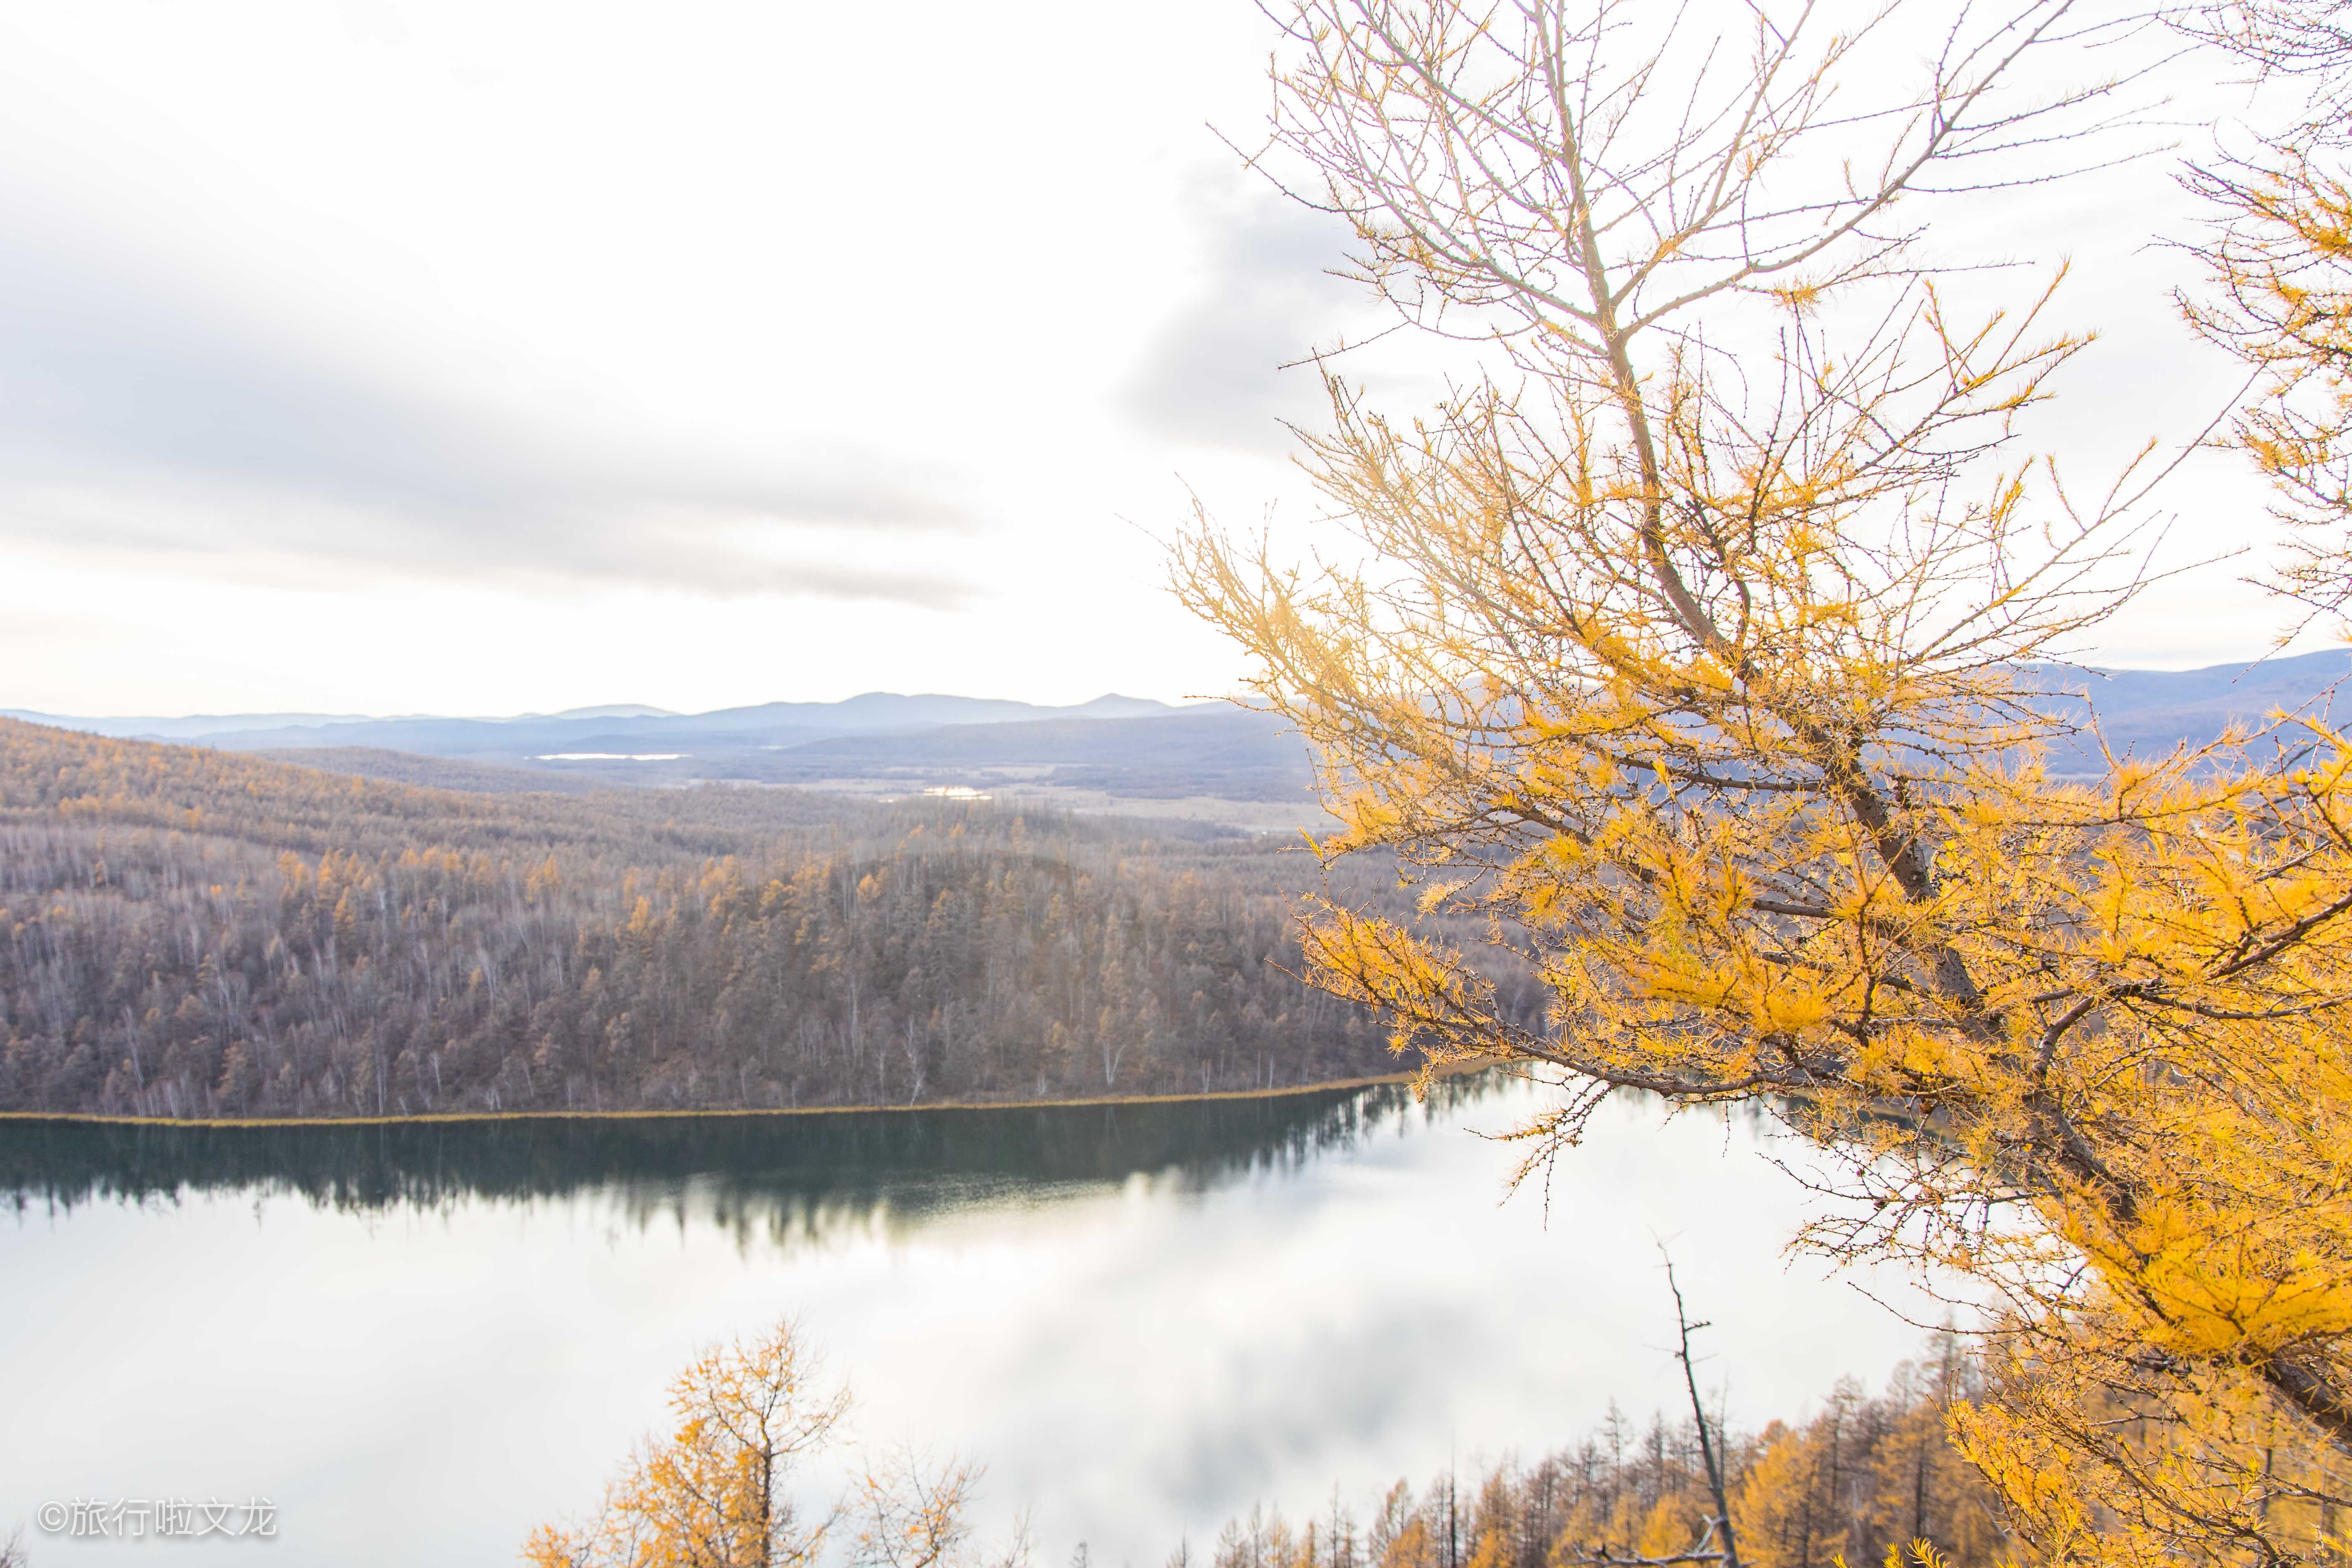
{"points": [[1861, 1476], [195, 933]]}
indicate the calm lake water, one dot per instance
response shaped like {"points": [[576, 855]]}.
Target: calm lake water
{"points": [[418, 1342]]}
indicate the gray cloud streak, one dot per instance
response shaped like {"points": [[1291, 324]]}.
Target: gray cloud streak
{"points": [[1211, 373], [137, 411]]}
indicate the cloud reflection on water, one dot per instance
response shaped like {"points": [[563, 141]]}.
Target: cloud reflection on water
{"points": [[1138, 1336]]}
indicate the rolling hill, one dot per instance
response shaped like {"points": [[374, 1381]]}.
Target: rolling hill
{"points": [[1110, 751]]}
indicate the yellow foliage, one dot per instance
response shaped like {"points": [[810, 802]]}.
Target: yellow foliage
{"points": [[1721, 687], [721, 1489], [1668, 1529], [716, 1493]]}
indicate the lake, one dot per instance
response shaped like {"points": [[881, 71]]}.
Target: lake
{"points": [[417, 1340]]}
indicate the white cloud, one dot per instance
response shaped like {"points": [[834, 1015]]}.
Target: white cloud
{"points": [[826, 345], [1225, 367]]}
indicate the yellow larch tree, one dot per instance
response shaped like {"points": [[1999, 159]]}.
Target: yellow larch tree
{"points": [[724, 1489], [1701, 645], [716, 1492]]}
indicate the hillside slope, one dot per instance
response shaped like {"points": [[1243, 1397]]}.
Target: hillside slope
{"points": [[191, 932], [425, 772], [2146, 712]]}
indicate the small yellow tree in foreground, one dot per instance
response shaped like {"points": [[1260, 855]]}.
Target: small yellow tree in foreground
{"points": [[1699, 646], [717, 1491], [720, 1491]]}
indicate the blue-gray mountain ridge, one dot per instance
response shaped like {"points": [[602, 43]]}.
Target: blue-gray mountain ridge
{"points": [[1125, 746]]}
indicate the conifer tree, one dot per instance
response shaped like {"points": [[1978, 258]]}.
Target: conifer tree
{"points": [[1700, 644]]}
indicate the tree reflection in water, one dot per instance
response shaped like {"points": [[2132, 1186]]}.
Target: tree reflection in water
{"points": [[780, 1176]]}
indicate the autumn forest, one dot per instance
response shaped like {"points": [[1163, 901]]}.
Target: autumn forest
{"points": [[192, 933], [1745, 871]]}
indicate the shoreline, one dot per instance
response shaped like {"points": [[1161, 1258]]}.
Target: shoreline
{"points": [[1287, 1090]]}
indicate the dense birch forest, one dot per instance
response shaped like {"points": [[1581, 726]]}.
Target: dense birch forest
{"points": [[194, 933]]}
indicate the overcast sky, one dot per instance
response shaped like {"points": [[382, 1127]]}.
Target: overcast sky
{"points": [[490, 357]]}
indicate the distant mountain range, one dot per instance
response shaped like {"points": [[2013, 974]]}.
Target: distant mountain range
{"points": [[438, 735], [1122, 746], [2148, 711]]}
